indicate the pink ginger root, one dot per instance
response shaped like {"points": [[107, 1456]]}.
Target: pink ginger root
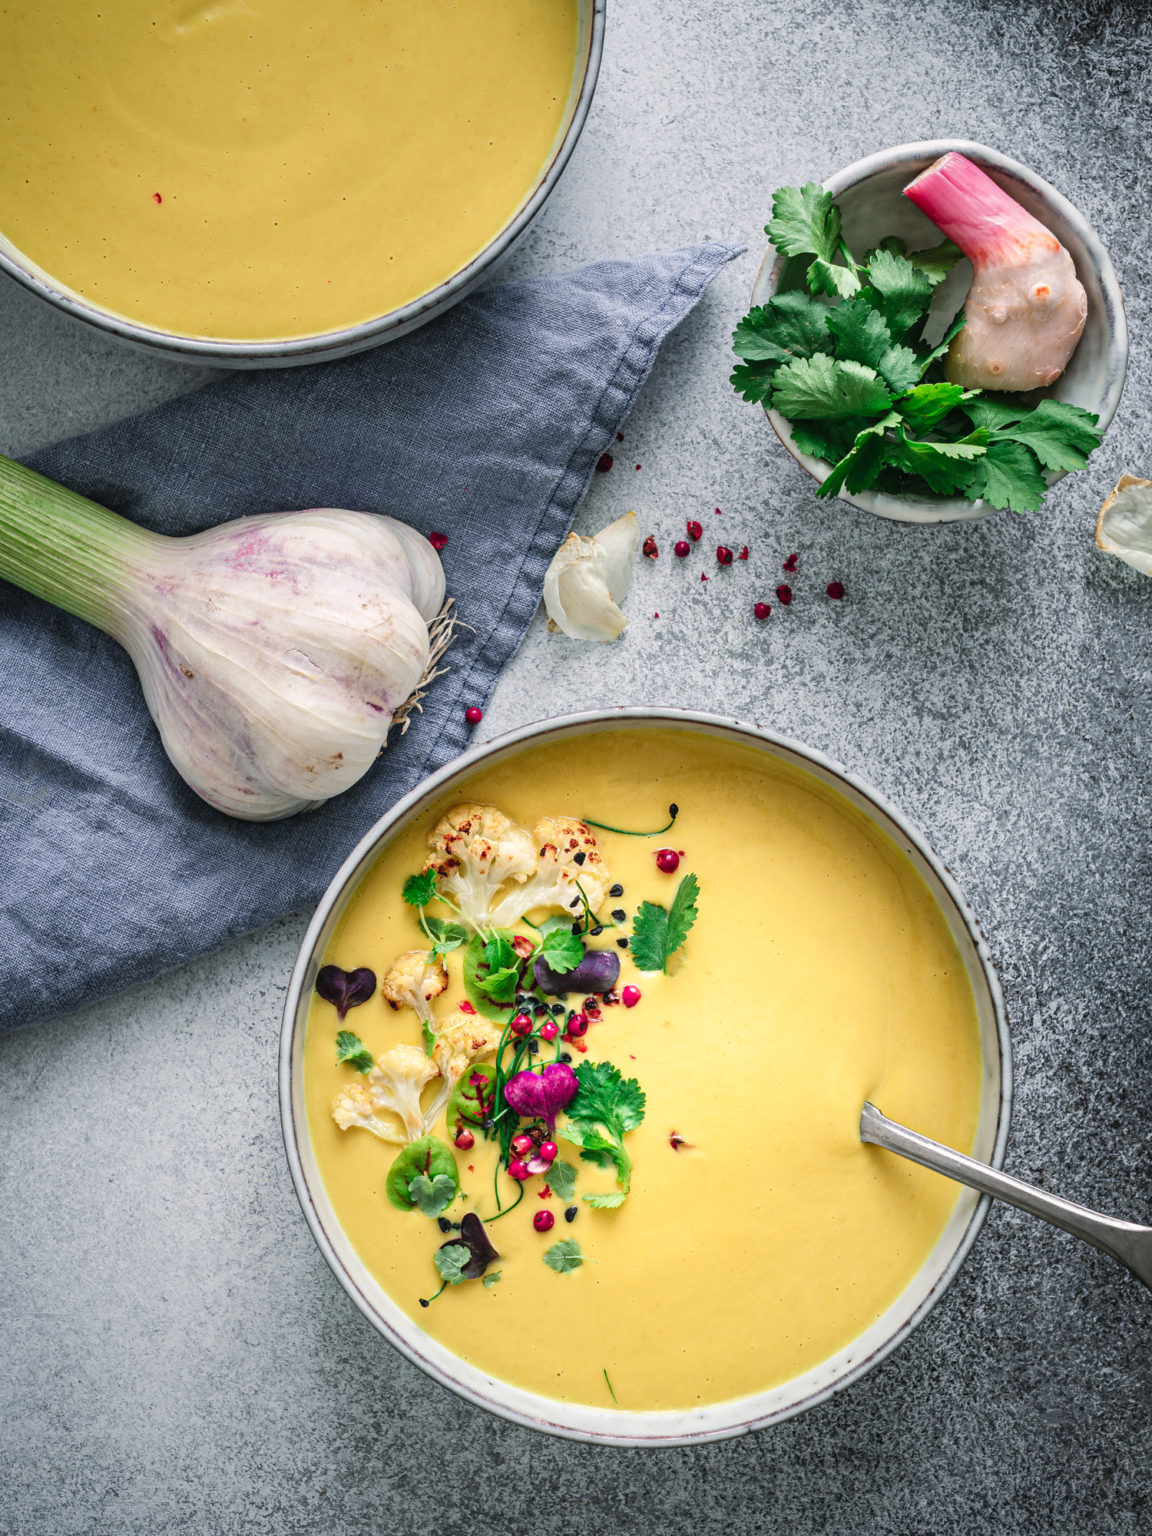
{"points": [[1026, 307]]}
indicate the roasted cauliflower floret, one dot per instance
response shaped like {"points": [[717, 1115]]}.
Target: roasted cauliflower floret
{"points": [[414, 979], [461, 1039], [392, 1088], [566, 853], [475, 850]]}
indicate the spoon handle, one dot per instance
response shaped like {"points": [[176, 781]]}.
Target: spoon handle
{"points": [[1125, 1241]]}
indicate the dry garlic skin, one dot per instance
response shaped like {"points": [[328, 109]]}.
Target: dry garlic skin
{"points": [[262, 169], [757, 1236]]}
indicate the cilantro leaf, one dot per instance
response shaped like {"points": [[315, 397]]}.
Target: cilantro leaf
{"points": [[862, 335], [451, 1261], [947, 467], [561, 950], [445, 936], [900, 369], [351, 1050], [994, 411], [658, 932], [927, 404], [944, 343], [491, 1278], [805, 222], [607, 1106], [858, 469], [608, 1202], [502, 985], [789, 325], [562, 1180], [905, 292], [564, 1256], [829, 440], [753, 381], [420, 889], [1008, 476], [819, 388], [836, 281], [1060, 435], [432, 1195], [936, 262]]}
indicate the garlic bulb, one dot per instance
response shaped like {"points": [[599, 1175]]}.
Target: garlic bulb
{"points": [[589, 578], [273, 651], [1124, 527]]}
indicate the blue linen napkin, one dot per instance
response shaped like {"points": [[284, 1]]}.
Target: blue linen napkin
{"points": [[485, 425]]}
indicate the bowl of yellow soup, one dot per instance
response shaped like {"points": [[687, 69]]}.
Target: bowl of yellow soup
{"points": [[772, 946], [265, 182]]}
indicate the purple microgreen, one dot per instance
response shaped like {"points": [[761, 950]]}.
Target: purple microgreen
{"points": [[474, 1239], [345, 989]]}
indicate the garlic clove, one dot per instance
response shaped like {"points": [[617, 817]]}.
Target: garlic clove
{"points": [[588, 579], [1124, 527]]}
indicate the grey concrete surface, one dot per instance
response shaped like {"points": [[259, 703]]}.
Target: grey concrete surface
{"points": [[175, 1355]]}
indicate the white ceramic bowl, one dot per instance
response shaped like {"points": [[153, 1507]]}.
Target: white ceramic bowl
{"points": [[872, 205], [716, 1420], [368, 333]]}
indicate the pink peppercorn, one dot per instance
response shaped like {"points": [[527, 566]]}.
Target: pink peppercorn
{"points": [[723, 554], [465, 1140], [650, 547], [791, 563], [518, 1169], [549, 1030], [577, 1026], [604, 463], [521, 1025], [836, 590], [437, 541], [630, 996], [473, 715], [543, 1221], [784, 593], [695, 529], [522, 1143], [761, 610], [681, 548], [549, 1151], [668, 861]]}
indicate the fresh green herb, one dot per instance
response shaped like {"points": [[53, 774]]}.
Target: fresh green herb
{"points": [[607, 1106], [477, 975], [606, 1202], [431, 1196], [846, 363], [429, 1037], [352, 1051], [491, 1279], [451, 1261], [673, 812], [561, 950], [499, 979], [658, 932], [428, 1156], [614, 1397], [445, 936], [562, 1180], [564, 1256], [473, 1097], [420, 889]]}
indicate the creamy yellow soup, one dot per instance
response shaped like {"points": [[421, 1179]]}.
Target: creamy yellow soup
{"points": [[264, 169], [820, 973]]}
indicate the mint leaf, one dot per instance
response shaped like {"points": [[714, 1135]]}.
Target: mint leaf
{"points": [[805, 222], [862, 336], [352, 1051], [491, 1278], [904, 291], [451, 1261], [502, 985], [561, 949], [430, 1196], [564, 1256], [420, 889], [947, 467], [1060, 435], [608, 1202], [820, 388], [1008, 476], [562, 1180], [789, 325]]}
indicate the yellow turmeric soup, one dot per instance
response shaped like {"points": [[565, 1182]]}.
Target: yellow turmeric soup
{"points": [[261, 169], [757, 1236]]}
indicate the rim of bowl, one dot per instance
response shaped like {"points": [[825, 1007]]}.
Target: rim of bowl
{"points": [[326, 345], [620, 1428], [909, 509]]}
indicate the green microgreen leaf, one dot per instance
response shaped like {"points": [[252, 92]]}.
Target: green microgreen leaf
{"points": [[606, 1202], [564, 1256], [428, 1156], [819, 388], [561, 949], [445, 936], [451, 1262], [491, 1278], [657, 932], [352, 1051], [420, 889], [471, 1103], [431, 1196], [562, 1180]]}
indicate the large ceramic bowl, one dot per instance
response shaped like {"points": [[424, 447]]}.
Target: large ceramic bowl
{"points": [[369, 333], [716, 1420], [872, 205]]}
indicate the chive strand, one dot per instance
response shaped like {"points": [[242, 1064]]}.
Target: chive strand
{"points": [[673, 811]]}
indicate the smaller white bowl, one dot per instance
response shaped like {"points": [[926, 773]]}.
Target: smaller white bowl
{"points": [[872, 205]]}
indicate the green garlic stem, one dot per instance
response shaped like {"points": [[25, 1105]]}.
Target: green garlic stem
{"points": [[69, 550]]}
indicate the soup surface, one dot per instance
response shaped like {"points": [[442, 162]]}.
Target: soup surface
{"points": [[819, 973], [263, 169]]}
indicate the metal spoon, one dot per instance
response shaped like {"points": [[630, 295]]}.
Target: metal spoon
{"points": [[1127, 1243]]}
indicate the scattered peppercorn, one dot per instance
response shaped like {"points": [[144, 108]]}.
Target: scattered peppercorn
{"points": [[761, 610], [616, 890], [465, 1140], [473, 715], [571, 1212], [743, 555], [836, 590], [618, 914], [443, 1223], [668, 861], [695, 529], [791, 563], [521, 1025], [604, 463], [682, 548], [723, 554], [630, 996], [623, 943], [650, 547], [549, 1031], [784, 593], [543, 1221], [566, 1056], [577, 1026], [437, 541], [518, 1170]]}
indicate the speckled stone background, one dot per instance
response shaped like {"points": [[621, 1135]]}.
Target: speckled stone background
{"points": [[175, 1355]]}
